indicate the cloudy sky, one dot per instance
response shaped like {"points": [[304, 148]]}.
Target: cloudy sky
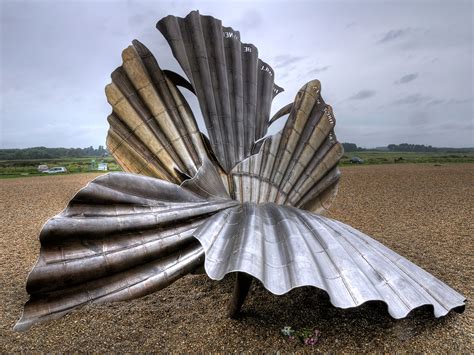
{"points": [[394, 71]]}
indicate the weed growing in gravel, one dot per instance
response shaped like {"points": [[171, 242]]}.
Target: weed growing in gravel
{"points": [[307, 336]]}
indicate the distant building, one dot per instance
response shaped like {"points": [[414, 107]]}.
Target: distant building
{"points": [[42, 168], [102, 166]]}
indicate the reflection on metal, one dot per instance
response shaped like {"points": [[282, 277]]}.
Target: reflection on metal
{"points": [[232, 201], [233, 86], [285, 247], [298, 166], [123, 236], [152, 129]]}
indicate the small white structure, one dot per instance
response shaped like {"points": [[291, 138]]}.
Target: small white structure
{"points": [[102, 166], [43, 168]]}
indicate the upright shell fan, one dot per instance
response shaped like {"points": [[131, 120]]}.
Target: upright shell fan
{"points": [[231, 202], [234, 87]]}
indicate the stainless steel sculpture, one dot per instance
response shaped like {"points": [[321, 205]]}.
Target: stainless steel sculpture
{"points": [[231, 202]]}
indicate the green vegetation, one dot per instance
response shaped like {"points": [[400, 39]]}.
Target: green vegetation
{"points": [[389, 157], [406, 147], [21, 168], [50, 153], [351, 147], [10, 168], [407, 153]]}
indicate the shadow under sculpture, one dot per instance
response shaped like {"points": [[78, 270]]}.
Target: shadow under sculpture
{"points": [[233, 202]]}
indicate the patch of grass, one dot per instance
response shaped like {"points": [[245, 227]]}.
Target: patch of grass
{"points": [[379, 157], [28, 168]]}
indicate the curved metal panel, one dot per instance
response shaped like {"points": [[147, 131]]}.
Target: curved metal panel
{"points": [[121, 237], [285, 247], [152, 129], [207, 183], [234, 87], [124, 236], [298, 166]]}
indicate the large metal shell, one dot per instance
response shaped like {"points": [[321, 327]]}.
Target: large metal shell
{"points": [[298, 166], [152, 129], [121, 237], [234, 87], [285, 247], [125, 235]]}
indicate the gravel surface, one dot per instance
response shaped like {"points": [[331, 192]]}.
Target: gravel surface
{"points": [[423, 212]]}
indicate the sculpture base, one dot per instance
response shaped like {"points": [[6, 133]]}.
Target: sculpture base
{"points": [[241, 289]]}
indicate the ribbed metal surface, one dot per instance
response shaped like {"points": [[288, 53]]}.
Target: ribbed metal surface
{"points": [[152, 129], [234, 87], [285, 247], [298, 166], [123, 236]]}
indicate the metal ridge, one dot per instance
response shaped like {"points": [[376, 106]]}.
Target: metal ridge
{"points": [[297, 166], [242, 202], [234, 87], [121, 237], [285, 247]]}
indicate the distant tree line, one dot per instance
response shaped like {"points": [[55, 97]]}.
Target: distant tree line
{"points": [[50, 153], [351, 147], [406, 147], [55, 153]]}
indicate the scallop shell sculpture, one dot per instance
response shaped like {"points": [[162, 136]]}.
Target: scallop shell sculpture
{"points": [[233, 202]]}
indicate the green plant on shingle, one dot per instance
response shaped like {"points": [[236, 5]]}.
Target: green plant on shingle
{"points": [[307, 336]]}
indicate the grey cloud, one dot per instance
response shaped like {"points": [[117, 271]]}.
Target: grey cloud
{"points": [[455, 125], [407, 78], [251, 19], [51, 92], [460, 101], [362, 95], [415, 99], [285, 60], [319, 69], [412, 99], [394, 34], [435, 102], [468, 127], [137, 19], [420, 119]]}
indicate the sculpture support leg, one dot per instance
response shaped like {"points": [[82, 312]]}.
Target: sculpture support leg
{"points": [[241, 289]]}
